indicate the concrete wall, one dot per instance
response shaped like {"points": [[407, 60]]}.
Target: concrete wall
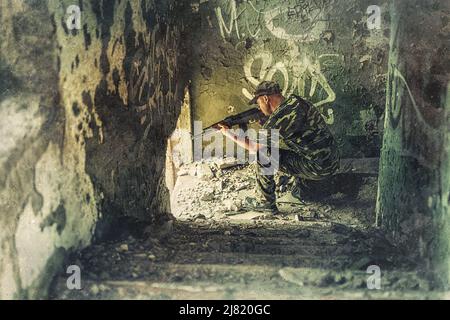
{"points": [[322, 50], [414, 184], [85, 116]]}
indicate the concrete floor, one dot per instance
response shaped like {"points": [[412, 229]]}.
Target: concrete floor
{"points": [[246, 260], [321, 250]]}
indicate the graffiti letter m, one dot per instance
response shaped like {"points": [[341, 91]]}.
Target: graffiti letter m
{"points": [[233, 20]]}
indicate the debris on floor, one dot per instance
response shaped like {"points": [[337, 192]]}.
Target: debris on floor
{"points": [[234, 260], [223, 188], [214, 249]]}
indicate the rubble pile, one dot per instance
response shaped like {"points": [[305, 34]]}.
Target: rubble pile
{"points": [[211, 189], [225, 189], [218, 189]]}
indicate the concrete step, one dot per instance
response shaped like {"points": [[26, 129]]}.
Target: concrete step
{"points": [[211, 282], [294, 260], [244, 261]]}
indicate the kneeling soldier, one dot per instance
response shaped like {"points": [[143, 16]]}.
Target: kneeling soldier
{"points": [[307, 148]]}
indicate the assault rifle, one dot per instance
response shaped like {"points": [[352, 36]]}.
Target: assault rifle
{"points": [[241, 119]]}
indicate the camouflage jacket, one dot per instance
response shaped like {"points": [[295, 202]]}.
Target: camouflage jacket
{"points": [[302, 129]]}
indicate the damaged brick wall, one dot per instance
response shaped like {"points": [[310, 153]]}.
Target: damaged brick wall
{"points": [[85, 116], [323, 50]]}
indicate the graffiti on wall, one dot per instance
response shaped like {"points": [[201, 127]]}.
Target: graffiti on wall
{"points": [[227, 29], [299, 73], [310, 17], [405, 115], [144, 91]]}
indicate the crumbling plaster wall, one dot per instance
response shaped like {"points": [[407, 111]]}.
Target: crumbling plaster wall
{"points": [[85, 116], [322, 50], [414, 184]]}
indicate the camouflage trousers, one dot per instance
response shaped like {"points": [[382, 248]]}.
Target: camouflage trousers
{"points": [[291, 163]]}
